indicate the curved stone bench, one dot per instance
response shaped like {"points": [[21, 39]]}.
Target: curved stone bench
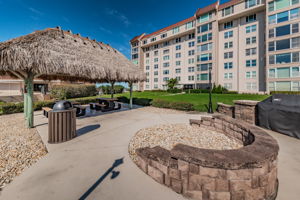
{"points": [[239, 174]]}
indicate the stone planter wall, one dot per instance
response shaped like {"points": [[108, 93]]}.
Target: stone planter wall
{"points": [[245, 110], [249, 173], [225, 109]]}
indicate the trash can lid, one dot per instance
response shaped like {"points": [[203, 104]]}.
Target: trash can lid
{"points": [[62, 105]]}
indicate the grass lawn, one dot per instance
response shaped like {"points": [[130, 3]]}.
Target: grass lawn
{"points": [[198, 100]]}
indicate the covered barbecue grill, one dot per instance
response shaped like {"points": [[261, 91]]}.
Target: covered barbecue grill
{"points": [[281, 113]]}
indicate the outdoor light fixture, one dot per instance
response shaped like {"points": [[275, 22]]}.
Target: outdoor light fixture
{"points": [[209, 108]]}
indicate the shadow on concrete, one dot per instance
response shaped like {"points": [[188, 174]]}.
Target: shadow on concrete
{"points": [[114, 174], [87, 129]]}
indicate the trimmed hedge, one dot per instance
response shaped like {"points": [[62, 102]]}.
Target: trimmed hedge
{"points": [[136, 101], [174, 90], [172, 105], [285, 92], [72, 91]]}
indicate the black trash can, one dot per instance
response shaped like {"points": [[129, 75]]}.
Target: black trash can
{"points": [[62, 122]]}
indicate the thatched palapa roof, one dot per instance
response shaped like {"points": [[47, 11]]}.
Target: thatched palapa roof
{"points": [[56, 54]]}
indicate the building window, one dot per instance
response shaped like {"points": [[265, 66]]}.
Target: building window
{"points": [[272, 73], [155, 59], [191, 52], [156, 66], [178, 71], [191, 44], [191, 78], [295, 42], [228, 25], [155, 46], [283, 72], [295, 72], [155, 73], [163, 35], [147, 73], [178, 47], [284, 58], [202, 77], [250, 29], [166, 72], [251, 18], [165, 79], [204, 47], [295, 28], [228, 34], [178, 78], [251, 3], [191, 60], [251, 63], [228, 75], [228, 65], [189, 25], [251, 51], [175, 30], [178, 55], [205, 57], [166, 64], [228, 86], [251, 74], [228, 45], [191, 36], [177, 40], [251, 40], [155, 53], [153, 39], [228, 55], [227, 11], [178, 63], [284, 16], [147, 67], [205, 37], [166, 51], [191, 69], [251, 86], [204, 28], [204, 67], [166, 58], [204, 18], [295, 86], [147, 55], [155, 80]]}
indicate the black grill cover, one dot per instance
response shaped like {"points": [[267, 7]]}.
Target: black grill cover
{"points": [[281, 113]]}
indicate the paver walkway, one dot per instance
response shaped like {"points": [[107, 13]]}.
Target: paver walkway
{"points": [[77, 169]]}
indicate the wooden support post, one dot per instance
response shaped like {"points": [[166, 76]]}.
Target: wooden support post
{"points": [[130, 95], [112, 89], [29, 100], [25, 98]]}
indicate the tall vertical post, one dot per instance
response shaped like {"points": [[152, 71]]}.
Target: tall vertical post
{"points": [[29, 88], [112, 89], [130, 95], [210, 109], [25, 98]]}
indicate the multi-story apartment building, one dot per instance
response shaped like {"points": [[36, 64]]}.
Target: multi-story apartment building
{"points": [[249, 45], [283, 43]]}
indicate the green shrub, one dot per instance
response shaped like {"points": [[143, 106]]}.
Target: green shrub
{"points": [[172, 105], [197, 91], [174, 90], [285, 92], [72, 91], [118, 89], [136, 101], [9, 108]]}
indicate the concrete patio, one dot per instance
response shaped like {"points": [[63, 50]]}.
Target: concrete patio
{"points": [[81, 168]]}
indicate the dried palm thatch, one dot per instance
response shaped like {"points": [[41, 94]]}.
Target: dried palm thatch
{"points": [[57, 54]]}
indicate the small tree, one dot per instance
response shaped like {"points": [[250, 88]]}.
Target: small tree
{"points": [[171, 83]]}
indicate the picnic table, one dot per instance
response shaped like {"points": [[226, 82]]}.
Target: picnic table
{"points": [[108, 102]]}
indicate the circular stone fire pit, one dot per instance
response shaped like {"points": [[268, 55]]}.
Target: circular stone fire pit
{"points": [[249, 172]]}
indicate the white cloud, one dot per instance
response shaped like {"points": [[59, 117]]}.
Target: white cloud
{"points": [[105, 30], [119, 16], [35, 11]]}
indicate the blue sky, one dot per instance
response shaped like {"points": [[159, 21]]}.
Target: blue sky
{"points": [[111, 21]]}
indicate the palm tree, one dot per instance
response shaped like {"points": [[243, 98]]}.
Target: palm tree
{"points": [[171, 83]]}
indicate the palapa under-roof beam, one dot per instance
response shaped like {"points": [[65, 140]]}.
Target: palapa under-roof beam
{"points": [[53, 54]]}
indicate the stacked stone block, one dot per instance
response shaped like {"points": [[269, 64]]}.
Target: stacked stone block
{"points": [[225, 109], [249, 173]]}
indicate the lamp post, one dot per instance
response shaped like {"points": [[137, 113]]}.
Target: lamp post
{"points": [[210, 109]]}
